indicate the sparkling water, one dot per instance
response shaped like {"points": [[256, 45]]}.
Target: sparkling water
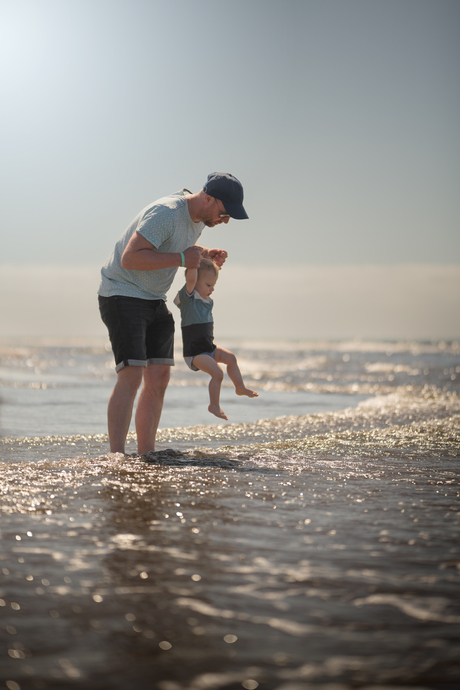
{"points": [[310, 542]]}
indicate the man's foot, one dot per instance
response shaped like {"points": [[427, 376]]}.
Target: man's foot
{"points": [[246, 391], [218, 411]]}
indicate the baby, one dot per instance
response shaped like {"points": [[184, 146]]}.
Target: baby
{"points": [[200, 352]]}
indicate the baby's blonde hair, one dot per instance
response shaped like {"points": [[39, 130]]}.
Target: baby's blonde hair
{"points": [[208, 265]]}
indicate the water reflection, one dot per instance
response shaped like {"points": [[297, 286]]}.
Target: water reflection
{"points": [[325, 553], [121, 573]]}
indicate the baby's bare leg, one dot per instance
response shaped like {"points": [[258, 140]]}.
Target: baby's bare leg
{"points": [[209, 366], [226, 357]]}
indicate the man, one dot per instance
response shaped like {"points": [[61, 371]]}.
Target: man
{"points": [[132, 297]]}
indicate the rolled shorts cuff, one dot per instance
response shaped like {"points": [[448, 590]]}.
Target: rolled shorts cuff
{"points": [[142, 363], [189, 360]]}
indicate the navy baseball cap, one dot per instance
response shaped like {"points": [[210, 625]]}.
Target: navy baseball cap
{"points": [[229, 191]]}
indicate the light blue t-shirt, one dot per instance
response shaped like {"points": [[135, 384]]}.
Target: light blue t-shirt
{"points": [[167, 225], [193, 308]]}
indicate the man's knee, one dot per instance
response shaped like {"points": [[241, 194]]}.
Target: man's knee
{"points": [[163, 378], [130, 377], [156, 376]]}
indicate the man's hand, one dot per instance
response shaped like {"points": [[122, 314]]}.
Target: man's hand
{"points": [[218, 256], [193, 256]]}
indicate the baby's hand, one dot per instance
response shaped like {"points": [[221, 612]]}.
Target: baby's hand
{"points": [[218, 256]]}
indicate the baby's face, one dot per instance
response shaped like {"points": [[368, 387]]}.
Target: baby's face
{"points": [[205, 283]]}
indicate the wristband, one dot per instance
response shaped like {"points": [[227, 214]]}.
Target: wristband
{"points": [[182, 259]]}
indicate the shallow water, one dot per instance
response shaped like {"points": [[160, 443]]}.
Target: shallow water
{"points": [[302, 552], [46, 390], [53, 390]]}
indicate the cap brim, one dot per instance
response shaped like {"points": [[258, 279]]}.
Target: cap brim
{"points": [[236, 211]]}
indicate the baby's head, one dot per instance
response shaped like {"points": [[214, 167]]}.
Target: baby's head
{"points": [[208, 266], [208, 273]]}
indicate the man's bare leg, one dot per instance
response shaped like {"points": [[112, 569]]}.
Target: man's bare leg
{"points": [[150, 405], [120, 407]]}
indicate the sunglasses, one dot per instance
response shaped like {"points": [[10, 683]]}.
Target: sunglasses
{"points": [[221, 215]]}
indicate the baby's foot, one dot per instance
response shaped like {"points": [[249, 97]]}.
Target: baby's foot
{"points": [[218, 411], [246, 391]]}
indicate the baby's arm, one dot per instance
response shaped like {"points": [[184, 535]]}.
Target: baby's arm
{"points": [[190, 281]]}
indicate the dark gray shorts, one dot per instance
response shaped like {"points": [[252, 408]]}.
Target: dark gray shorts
{"points": [[141, 331]]}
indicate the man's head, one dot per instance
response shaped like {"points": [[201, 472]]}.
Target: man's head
{"points": [[227, 189]]}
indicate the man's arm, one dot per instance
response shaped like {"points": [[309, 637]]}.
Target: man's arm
{"points": [[141, 255]]}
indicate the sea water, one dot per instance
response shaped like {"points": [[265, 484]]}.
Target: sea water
{"points": [[310, 542], [46, 390]]}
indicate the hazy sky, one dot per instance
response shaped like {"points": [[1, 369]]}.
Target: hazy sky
{"points": [[340, 117], [404, 302]]}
